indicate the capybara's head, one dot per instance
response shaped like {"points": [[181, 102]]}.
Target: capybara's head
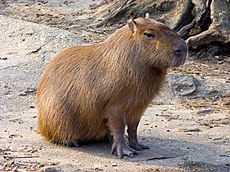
{"points": [[162, 47]]}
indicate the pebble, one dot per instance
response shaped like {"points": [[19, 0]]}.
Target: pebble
{"points": [[113, 164], [204, 111], [51, 169], [191, 130], [3, 58]]}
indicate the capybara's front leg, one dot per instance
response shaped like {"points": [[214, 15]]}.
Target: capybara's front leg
{"points": [[133, 142], [117, 127]]}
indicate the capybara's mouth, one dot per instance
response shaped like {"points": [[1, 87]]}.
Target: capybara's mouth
{"points": [[179, 60]]}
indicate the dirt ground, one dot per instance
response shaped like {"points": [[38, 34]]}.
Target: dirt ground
{"points": [[186, 130]]}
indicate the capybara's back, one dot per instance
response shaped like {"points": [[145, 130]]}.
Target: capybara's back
{"points": [[88, 91]]}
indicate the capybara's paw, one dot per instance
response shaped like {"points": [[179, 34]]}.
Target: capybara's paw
{"points": [[123, 150], [137, 146]]}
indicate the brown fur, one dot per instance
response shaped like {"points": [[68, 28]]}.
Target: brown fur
{"points": [[89, 90]]}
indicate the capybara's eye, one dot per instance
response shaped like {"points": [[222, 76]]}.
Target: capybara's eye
{"points": [[149, 35]]}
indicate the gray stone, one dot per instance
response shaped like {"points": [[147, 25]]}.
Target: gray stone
{"points": [[197, 87], [183, 84], [51, 169], [204, 111]]}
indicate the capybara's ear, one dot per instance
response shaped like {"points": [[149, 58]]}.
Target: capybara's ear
{"points": [[147, 15], [132, 25]]}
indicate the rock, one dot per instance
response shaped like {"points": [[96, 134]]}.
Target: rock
{"points": [[193, 87], [113, 164], [51, 169], [227, 59], [219, 58], [204, 111], [3, 58], [212, 93], [28, 91], [98, 167], [183, 84], [61, 168], [191, 130]]}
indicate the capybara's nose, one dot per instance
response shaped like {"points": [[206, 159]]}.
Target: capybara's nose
{"points": [[180, 52], [181, 49]]}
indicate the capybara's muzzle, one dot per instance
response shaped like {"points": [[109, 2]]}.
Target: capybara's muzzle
{"points": [[180, 52]]}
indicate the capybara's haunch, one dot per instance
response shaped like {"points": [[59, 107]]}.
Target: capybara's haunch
{"points": [[89, 91]]}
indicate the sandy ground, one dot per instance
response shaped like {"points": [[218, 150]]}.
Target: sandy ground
{"points": [[184, 133]]}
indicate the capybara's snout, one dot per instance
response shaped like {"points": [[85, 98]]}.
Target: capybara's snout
{"points": [[180, 51]]}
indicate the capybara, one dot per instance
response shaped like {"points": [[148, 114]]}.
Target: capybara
{"points": [[89, 91]]}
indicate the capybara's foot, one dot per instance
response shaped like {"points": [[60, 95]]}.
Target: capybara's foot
{"points": [[137, 146], [123, 150]]}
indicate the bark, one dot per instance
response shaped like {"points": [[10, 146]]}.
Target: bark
{"points": [[216, 39]]}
